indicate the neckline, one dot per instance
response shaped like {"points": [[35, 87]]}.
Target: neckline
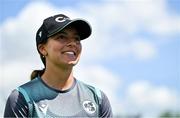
{"points": [[57, 90]]}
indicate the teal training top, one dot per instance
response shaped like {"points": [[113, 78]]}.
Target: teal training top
{"points": [[36, 99]]}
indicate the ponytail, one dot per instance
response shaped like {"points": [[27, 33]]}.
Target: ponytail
{"points": [[36, 73]]}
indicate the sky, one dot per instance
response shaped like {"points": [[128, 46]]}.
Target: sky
{"points": [[133, 54]]}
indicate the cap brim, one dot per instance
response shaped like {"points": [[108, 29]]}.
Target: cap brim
{"points": [[82, 26]]}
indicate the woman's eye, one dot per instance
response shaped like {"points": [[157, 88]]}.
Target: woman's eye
{"points": [[61, 37], [77, 38]]}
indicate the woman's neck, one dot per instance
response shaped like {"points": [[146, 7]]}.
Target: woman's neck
{"points": [[58, 78]]}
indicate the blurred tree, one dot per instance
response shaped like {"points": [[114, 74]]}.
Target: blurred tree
{"points": [[169, 114]]}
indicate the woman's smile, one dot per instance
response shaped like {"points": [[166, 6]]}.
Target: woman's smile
{"points": [[71, 55]]}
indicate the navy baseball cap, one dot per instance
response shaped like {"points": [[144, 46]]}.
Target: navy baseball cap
{"points": [[54, 24]]}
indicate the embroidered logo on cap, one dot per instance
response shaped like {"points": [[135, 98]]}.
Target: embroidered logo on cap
{"points": [[89, 107], [61, 19]]}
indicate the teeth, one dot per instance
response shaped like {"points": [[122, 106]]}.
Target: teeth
{"points": [[70, 53]]}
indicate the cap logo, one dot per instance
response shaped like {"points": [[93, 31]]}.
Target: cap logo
{"points": [[89, 107], [61, 19], [40, 33]]}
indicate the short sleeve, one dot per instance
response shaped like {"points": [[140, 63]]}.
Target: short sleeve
{"points": [[16, 105], [105, 107]]}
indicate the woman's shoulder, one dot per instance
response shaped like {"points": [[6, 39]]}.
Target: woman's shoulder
{"points": [[30, 83], [30, 88], [87, 87], [16, 105]]}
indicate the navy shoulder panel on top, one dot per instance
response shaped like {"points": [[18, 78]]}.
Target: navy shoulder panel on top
{"points": [[105, 107], [16, 105]]}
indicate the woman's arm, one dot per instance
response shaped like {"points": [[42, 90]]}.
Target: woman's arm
{"points": [[105, 107]]}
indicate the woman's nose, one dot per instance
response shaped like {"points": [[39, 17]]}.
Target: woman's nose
{"points": [[72, 43]]}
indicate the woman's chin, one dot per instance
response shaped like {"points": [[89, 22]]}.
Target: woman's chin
{"points": [[73, 63]]}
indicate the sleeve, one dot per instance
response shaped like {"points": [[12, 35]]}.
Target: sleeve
{"points": [[105, 107], [16, 105]]}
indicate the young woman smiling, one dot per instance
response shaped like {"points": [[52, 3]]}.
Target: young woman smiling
{"points": [[54, 91]]}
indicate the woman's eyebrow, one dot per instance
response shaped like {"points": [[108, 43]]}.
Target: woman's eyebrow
{"points": [[62, 32]]}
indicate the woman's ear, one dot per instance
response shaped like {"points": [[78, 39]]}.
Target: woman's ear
{"points": [[42, 49]]}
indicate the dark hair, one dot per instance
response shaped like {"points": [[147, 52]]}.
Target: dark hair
{"points": [[36, 73]]}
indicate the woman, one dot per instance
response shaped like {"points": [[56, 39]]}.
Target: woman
{"points": [[53, 91]]}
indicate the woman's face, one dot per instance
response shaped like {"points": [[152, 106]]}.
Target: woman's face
{"points": [[63, 49]]}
